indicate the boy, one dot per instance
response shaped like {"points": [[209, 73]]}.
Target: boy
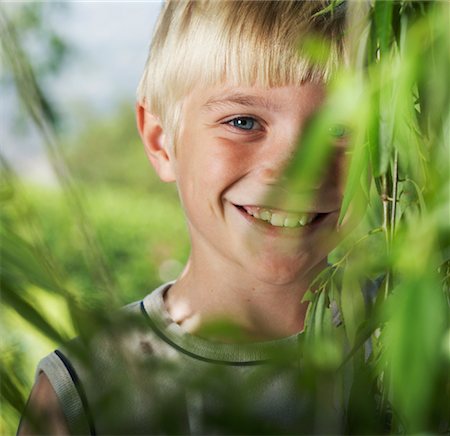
{"points": [[223, 102]]}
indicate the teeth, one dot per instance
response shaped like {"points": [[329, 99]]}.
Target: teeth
{"points": [[291, 222], [277, 220], [281, 219], [265, 215]]}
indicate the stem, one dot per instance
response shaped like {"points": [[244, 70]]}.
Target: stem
{"points": [[394, 195], [385, 200], [389, 224], [386, 228]]}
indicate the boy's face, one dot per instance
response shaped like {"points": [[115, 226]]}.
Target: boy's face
{"points": [[232, 147]]}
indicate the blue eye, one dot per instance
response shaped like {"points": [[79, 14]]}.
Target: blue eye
{"points": [[244, 123]]}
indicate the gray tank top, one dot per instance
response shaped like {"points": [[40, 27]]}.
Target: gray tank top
{"points": [[145, 375]]}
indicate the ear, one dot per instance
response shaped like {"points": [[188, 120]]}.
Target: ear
{"points": [[152, 136]]}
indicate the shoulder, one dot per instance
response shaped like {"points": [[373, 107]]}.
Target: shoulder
{"points": [[107, 367], [44, 413], [57, 402]]}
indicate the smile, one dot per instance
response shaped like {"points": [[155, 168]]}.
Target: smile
{"points": [[280, 218]]}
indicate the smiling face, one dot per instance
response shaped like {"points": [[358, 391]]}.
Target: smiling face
{"points": [[232, 147], [244, 220]]}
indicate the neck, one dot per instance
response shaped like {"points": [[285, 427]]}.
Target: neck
{"points": [[211, 291]]}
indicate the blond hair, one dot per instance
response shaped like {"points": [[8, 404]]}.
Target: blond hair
{"points": [[207, 42]]}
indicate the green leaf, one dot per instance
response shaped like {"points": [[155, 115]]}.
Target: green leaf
{"points": [[414, 335], [311, 160], [387, 118], [365, 330], [14, 297], [383, 23], [320, 312], [329, 9], [352, 304], [9, 390], [314, 49], [19, 259], [355, 182], [373, 136], [308, 296]]}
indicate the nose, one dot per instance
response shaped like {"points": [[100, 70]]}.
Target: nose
{"points": [[274, 160], [270, 175], [274, 169]]}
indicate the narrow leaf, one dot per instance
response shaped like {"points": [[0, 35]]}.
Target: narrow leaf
{"points": [[352, 304]]}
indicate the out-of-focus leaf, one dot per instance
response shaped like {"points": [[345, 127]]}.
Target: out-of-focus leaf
{"points": [[317, 146], [352, 304], [320, 311], [311, 160], [383, 23], [363, 334], [315, 50], [430, 38], [14, 297], [324, 341], [20, 259], [386, 129], [310, 318], [9, 391], [413, 340], [356, 174], [363, 412], [373, 138]]}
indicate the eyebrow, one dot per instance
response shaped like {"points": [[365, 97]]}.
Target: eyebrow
{"points": [[241, 99]]}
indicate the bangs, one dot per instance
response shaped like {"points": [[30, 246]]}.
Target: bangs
{"points": [[248, 59]]}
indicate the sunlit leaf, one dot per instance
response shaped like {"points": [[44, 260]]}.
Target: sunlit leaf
{"points": [[356, 179], [21, 259], [15, 298]]}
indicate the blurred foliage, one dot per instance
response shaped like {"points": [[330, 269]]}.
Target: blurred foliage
{"points": [[396, 104], [65, 250], [132, 230], [31, 22], [109, 153], [98, 242], [140, 234], [33, 30]]}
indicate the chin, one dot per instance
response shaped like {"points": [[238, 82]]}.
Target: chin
{"points": [[282, 272]]}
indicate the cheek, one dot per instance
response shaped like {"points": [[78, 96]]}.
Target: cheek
{"points": [[228, 158], [222, 161], [207, 167]]}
